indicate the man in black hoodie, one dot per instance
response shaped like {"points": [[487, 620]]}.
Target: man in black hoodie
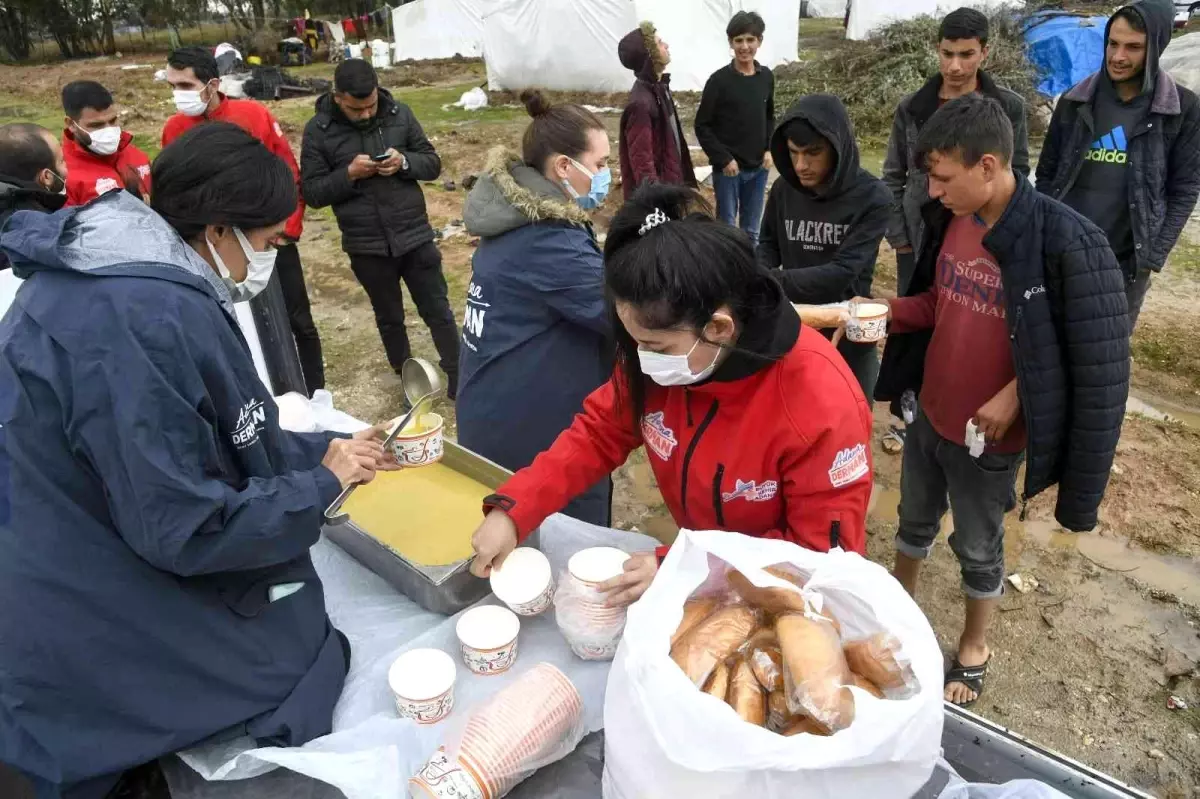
{"points": [[365, 154], [32, 172], [825, 217], [1123, 147]]}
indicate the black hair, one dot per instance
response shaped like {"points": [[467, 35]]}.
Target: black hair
{"points": [[801, 133], [356, 78], [964, 23], [218, 174], [81, 94], [744, 22], [971, 127], [676, 273], [24, 151], [1130, 15], [199, 60], [561, 128]]}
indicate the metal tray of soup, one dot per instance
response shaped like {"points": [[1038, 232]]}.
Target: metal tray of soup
{"points": [[413, 527]]}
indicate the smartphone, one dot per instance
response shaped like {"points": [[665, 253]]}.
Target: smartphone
{"points": [[381, 157]]}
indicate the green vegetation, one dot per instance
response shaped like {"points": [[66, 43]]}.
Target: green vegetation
{"points": [[873, 76]]}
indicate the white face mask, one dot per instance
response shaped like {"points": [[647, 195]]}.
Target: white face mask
{"points": [[673, 370], [190, 103], [105, 141], [259, 266]]}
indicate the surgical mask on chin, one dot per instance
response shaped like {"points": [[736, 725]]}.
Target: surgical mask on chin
{"points": [[596, 193], [259, 266], [105, 141], [673, 370], [190, 102], [62, 184]]}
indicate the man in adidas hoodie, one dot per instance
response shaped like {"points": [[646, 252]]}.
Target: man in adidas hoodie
{"points": [[825, 218], [1123, 147]]}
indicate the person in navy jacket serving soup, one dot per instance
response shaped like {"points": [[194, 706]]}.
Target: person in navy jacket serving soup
{"points": [[751, 421]]}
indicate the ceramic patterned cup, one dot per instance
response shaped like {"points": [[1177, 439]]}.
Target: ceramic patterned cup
{"points": [[422, 683], [525, 582], [488, 636], [422, 444], [867, 322]]}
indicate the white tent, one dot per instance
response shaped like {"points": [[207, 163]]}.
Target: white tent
{"points": [[572, 44], [824, 8], [438, 29], [868, 15]]}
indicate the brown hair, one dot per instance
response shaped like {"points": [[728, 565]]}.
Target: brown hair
{"points": [[555, 129]]}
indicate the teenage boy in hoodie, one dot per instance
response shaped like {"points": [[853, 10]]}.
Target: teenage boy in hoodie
{"points": [[825, 217], [1015, 321], [653, 147], [1123, 147], [734, 123], [100, 156]]}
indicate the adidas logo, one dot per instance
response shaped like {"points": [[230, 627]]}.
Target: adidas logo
{"points": [[1109, 148]]}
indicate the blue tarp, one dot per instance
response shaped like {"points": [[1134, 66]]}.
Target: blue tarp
{"points": [[1064, 49]]}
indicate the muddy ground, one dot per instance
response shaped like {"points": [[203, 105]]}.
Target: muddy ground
{"points": [[1084, 664]]}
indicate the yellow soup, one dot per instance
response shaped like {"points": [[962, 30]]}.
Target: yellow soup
{"points": [[427, 515]]}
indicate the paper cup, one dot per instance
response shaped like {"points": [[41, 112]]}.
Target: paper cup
{"points": [[488, 635], [422, 682], [867, 322], [444, 777], [422, 444], [525, 582], [597, 564], [591, 628]]}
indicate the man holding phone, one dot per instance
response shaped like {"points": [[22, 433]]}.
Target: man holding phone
{"points": [[364, 153]]}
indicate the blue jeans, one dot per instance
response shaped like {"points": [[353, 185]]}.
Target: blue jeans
{"points": [[745, 192]]}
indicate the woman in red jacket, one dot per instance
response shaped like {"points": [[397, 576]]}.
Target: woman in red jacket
{"points": [[751, 421]]}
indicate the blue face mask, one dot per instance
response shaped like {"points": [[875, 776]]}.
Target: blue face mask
{"points": [[598, 191]]}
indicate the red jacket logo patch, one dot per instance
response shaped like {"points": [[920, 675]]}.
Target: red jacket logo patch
{"points": [[751, 492], [659, 438], [849, 465]]}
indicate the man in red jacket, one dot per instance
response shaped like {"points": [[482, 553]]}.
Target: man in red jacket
{"points": [[653, 147], [100, 156], [194, 80]]}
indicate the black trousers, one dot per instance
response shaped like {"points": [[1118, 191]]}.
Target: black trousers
{"points": [[295, 297], [421, 271]]}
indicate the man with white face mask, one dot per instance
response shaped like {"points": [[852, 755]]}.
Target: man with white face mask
{"points": [[100, 156], [195, 84]]}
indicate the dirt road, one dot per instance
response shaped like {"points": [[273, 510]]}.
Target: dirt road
{"points": [[1085, 663]]}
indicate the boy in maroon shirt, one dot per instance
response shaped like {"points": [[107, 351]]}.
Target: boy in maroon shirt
{"points": [[1014, 324]]}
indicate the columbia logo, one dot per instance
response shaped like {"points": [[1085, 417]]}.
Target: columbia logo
{"points": [[1109, 148]]}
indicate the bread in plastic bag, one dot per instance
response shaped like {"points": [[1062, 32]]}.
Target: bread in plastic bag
{"points": [[746, 696], [694, 612], [534, 721], [767, 663], [772, 600], [713, 640], [806, 725], [877, 658], [867, 685], [718, 682], [814, 669]]}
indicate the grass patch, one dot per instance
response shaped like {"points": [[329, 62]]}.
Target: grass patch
{"points": [[1185, 258], [1168, 349], [20, 109]]}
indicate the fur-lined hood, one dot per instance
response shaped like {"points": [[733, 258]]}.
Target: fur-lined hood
{"points": [[510, 194]]}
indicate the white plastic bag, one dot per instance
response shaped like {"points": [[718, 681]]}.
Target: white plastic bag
{"points": [[665, 738]]}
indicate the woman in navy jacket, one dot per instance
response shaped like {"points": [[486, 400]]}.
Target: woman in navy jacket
{"points": [[536, 332]]}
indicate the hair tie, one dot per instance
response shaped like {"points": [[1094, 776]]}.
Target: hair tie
{"points": [[652, 221]]}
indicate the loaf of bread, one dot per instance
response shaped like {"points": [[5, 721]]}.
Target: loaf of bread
{"points": [[821, 316], [767, 663], [746, 696], [718, 682], [875, 659], [779, 715], [805, 724], [772, 600], [694, 612], [713, 640], [815, 671], [867, 685]]}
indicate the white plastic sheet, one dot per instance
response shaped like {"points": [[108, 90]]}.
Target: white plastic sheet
{"points": [[780, 42], [1182, 60], [372, 752], [665, 738], [868, 15], [825, 8], [567, 45], [696, 37], [439, 29], [957, 788]]}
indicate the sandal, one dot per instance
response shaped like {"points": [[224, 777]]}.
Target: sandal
{"points": [[970, 676], [893, 440]]}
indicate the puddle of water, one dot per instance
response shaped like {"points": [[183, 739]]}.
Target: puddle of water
{"points": [[1163, 409], [885, 507], [1175, 575]]}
